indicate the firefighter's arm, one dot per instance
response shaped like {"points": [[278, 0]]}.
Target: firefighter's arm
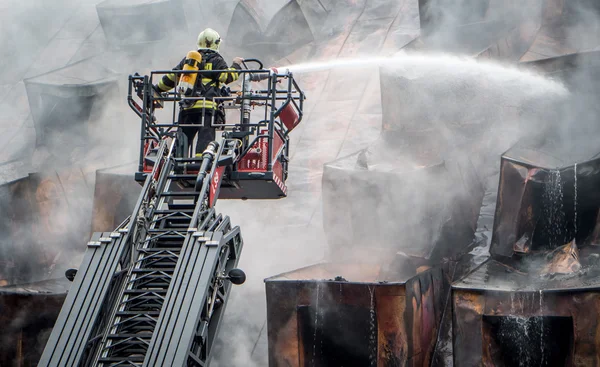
{"points": [[169, 81], [230, 76]]}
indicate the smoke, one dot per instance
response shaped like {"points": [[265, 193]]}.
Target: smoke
{"points": [[462, 111], [442, 101], [65, 115]]}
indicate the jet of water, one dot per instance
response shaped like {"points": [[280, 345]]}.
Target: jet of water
{"points": [[431, 62]]}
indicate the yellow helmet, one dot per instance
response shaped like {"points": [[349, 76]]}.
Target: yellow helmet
{"points": [[209, 39]]}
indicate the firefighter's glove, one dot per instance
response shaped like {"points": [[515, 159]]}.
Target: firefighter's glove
{"points": [[238, 61]]}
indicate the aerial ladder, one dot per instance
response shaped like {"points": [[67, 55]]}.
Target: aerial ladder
{"points": [[153, 291]]}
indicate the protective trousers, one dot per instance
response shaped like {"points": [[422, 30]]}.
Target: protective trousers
{"points": [[201, 117]]}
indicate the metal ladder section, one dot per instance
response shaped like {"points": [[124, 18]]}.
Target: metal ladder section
{"points": [[164, 308]]}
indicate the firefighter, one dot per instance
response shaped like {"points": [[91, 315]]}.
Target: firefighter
{"points": [[201, 112]]}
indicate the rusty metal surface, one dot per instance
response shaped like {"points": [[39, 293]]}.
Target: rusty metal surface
{"points": [[472, 337], [437, 205], [494, 275], [46, 217], [405, 315], [542, 193], [27, 314], [114, 198], [64, 112]]}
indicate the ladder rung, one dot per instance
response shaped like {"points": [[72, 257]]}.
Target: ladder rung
{"points": [[193, 159], [133, 359], [184, 211], [165, 230], [134, 313], [184, 176], [161, 249], [179, 193], [142, 291], [149, 270], [138, 335]]}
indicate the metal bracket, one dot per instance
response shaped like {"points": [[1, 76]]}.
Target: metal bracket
{"points": [[212, 243]]}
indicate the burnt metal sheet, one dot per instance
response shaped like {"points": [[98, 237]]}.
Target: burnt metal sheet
{"points": [[393, 323], [433, 13], [488, 323], [436, 205], [268, 37], [566, 27], [548, 29], [115, 195], [46, 216], [544, 202], [496, 276], [28, 315], [140, 21], [64, 103]]}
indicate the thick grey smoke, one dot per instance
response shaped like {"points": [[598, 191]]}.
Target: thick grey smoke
{"points": [[343, 114], [63, 116]]}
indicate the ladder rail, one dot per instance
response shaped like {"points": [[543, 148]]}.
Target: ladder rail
{"points": [[137, 233]]}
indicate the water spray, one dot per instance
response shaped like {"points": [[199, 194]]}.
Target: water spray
{"points": [[432, 62]]}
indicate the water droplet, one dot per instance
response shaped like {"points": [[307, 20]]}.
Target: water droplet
{"points": [[314, 355], [575, 200], [372, 333], [553, 209]]}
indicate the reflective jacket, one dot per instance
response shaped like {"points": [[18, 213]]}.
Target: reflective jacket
{"points": [[207, 85]]}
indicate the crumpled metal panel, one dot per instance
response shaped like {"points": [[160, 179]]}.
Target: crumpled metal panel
{"points": [[543, 204], [26, 321], [391, 323], [45, 217], [487, 324], [64, 103], [428, 212], [140, 21], [115, 195], [265, 36]]}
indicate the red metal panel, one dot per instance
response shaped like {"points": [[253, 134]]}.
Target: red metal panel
{"points": [[215, 185], [256, 159], [289, 117]]}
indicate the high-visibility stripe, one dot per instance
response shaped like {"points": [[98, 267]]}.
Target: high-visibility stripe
{"points": [[165, 83], [204, 104], [228, 77]]}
